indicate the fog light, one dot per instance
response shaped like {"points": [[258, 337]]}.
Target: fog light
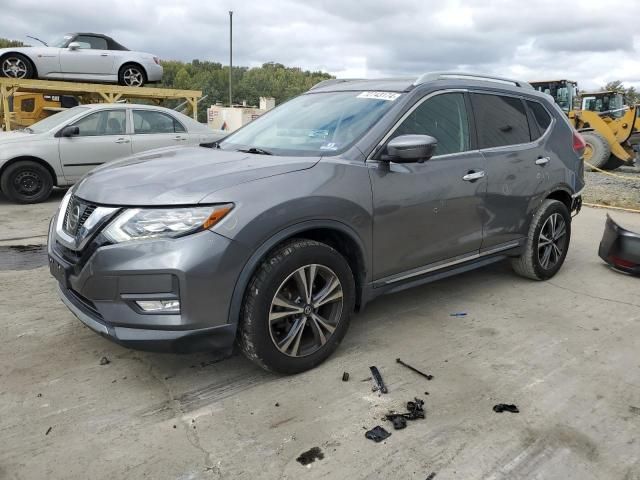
{"points": [[159, 306]]}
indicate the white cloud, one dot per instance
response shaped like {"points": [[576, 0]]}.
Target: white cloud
{"points": [[584, 40]]}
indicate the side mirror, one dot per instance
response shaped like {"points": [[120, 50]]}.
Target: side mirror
{"points": [[74, 46], [70, 131], [410, 148]]}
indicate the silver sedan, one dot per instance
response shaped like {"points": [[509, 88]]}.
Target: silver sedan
{"points": [[60, 149], [89, 57]]}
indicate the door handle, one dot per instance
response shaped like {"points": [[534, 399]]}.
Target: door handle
{"points": [[179, 138], [473, 176], [104, 54], [123, 140], [542, 160]]}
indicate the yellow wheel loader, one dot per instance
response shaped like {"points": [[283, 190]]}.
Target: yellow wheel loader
{"points": [[603, 120]]}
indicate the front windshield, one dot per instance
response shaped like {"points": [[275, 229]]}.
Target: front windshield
{"points": [[60, 41], [313, 124], [55, 120]]}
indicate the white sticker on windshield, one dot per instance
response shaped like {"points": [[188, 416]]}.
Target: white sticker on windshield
{"points": [[329, 146], [389, 96]]}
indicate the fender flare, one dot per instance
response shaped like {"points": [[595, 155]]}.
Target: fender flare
{"points": [[258, 255]]}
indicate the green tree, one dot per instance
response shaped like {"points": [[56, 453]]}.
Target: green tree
{"points": [[630, 93], [6, 43]]}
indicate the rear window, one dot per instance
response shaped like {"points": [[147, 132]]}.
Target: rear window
{"points": [[500, 120], [541, 118]]}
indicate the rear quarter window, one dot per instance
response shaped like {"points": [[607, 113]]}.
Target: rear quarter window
{"points": [[500, 120], [541, 118]]}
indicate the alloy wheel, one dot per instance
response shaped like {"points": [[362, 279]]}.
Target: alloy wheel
{"points": [[14, 67], [28, 183], [305, 310], [132, 77], [552, 241]]}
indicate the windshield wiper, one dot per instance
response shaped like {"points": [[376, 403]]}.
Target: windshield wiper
{"points": [[36, 38], [256, 150]]}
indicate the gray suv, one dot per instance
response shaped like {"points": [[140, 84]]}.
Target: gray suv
{"points": [[274, 236]]}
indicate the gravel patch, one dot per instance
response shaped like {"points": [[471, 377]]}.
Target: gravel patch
{"points": [[614, 191]]}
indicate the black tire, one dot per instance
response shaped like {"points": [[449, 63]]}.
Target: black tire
{"points": [[613, 163], [257, 335], [26, 182], [125, 75], [17, 60], [599, 148], [530, 264]]}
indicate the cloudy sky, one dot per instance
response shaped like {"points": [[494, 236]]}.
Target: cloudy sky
{"points": [[591, 41]]}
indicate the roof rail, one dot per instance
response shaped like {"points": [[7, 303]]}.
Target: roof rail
{"points": [[332, 81], [431, 76]]}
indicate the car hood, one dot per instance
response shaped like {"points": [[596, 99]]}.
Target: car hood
{"points": [[180, 176], [14, 136]]}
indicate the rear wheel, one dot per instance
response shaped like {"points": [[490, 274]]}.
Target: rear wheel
{"points": [[15, 65], [597, 150], [547, 242], [132, 75], [297, 307], [26, 182]]}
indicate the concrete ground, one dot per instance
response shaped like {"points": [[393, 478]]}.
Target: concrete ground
{"points": [[565, 351]]}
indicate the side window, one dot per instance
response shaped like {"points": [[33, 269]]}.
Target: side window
{"points": [[500, 120], [28, 105], [94, 43], [541, 117], [106, 122], [444, 117], [148, 121]]}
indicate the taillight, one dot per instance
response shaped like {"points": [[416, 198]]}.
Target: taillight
{"points": [[621, 262], [578, 143]]}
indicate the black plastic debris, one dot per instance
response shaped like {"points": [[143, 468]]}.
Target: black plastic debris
{"points": [[377, 434], [431, 476], [413, 369], [345, 377], [105, 361], [48, 431], [505, 407], [310, 456], [415, 410], [399, 422], [458, 314], [377, 378], [620, 248]]}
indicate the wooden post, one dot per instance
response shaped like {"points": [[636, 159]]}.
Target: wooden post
{"points": [[5, 93], [194, 107]]}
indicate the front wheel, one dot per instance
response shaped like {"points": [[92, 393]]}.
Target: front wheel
{"points": [[132, 76], [26, 182], [297, 307], [547, 242]]}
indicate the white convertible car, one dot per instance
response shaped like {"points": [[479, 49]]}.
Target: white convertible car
{"points": [[82, 56], [60, 149]]}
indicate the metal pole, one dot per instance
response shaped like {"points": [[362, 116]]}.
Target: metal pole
{"points": [[230, 54]]}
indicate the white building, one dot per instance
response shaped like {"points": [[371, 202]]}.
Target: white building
{"points": [[232, 118]]}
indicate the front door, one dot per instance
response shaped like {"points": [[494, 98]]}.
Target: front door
{"points": [[430, 212], [102, 138], [92, 58]]}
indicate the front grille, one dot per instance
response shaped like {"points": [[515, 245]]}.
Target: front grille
{"points": [[76, 215]]}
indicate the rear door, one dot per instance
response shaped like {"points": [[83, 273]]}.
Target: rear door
{"points": [[432, 212], [155, 129], [102, 138], [515, 166]]}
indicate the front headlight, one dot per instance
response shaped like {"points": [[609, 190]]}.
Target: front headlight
{"points": [[144, 223]]}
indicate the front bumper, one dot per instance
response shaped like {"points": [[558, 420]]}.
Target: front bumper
{"points": [[200, 270], [154, 72]]}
